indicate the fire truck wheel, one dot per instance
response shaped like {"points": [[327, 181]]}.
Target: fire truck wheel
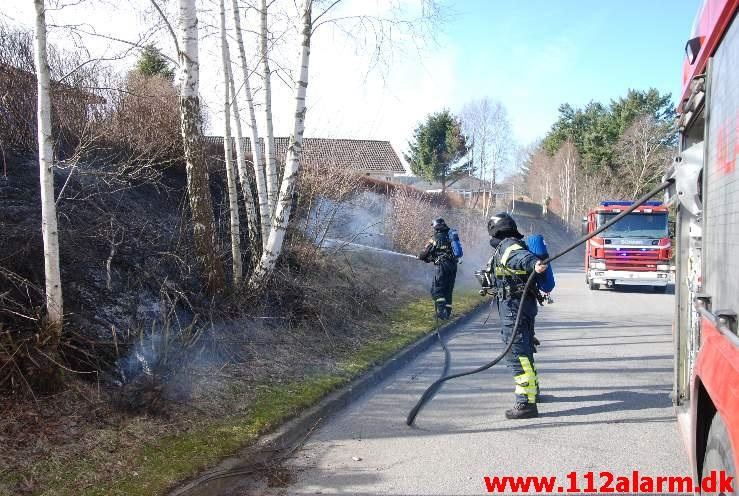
{"points": [[718, 452], [593, 286]]}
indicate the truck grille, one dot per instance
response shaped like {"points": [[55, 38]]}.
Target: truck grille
{"points": [[636, 259]]}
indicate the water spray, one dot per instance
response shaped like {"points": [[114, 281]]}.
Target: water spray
{"points": [[433, 388], [371, 248]]}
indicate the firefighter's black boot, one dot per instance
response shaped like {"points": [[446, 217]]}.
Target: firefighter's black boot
{"points": [[448, 311], [522, 411]]}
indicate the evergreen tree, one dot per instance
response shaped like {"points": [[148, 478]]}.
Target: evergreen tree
{"points": [[438, 151], [153, 63], [596, 128]]}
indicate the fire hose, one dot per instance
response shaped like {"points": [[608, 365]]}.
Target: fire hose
{"points": [[433, 388]]}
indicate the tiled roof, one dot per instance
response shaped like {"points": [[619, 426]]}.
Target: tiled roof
{"points": [[465, 184], [13, 72], [359, 155], [470, 183]]}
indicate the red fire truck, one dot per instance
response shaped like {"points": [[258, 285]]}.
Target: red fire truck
{"points": [[706, 192], [636, 251]]}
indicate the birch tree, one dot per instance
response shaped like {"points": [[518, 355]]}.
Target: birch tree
{"points": [[643, 153], [201, 205], [246, 191], [249, 206], [269, 156], [568, 162], [540, 176], [54, 304], [260, 179], [486, 122], [381, 29], [501, 148], [233, 204], [292, 164]]}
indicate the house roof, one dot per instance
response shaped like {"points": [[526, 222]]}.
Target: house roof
{"points": [[470, 183], [465, 184], [7, 70], [360, 155]]}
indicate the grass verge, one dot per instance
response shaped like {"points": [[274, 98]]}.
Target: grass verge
{"points": [[158, 466]]}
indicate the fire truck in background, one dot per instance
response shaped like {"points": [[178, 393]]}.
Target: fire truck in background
{"points": [[636, 251], [706, 192]]}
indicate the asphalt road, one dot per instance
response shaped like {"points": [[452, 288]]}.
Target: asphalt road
{"points": [[606, 372]]}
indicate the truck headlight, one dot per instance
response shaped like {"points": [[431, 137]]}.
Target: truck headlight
{"points": [[662, 267], [598, 264]]}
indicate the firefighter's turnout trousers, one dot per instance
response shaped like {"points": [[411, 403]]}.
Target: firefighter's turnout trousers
{"points": [[521, 357], [442, 286]]}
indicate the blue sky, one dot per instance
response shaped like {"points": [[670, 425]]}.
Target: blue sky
{"points": [[534, 55]]}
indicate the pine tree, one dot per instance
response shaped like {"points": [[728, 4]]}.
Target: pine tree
{"points": [[438, 151], [153, 63]]}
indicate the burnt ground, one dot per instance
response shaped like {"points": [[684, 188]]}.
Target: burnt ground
{"points": [[128, 331]]}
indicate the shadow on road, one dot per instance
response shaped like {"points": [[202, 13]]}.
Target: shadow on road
{"points": [[537, 424], [623, 400], [547, 339], [605, 359]]}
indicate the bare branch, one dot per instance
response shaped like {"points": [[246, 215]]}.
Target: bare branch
{"points": [[334, 4], [169, 26]]}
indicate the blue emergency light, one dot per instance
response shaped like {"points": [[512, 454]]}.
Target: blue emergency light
{"points": [[628, 204]]}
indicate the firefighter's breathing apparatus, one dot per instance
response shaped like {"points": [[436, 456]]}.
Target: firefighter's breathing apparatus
{"points": [[433, 388]]}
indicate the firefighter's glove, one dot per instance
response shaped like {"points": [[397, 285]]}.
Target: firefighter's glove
{"points": [[540, 268]]}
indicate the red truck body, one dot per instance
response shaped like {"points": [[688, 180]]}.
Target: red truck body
{"points": [[706, 192], [636, 251]]}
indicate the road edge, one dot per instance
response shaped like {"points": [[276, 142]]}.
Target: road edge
{"points": [[285, 438]]}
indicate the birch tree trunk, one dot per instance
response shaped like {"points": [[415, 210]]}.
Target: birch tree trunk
{"points": [[269, 156], [54, 304], [260, 179], [251, 212], [233, 204], [569, 188], [575, 211], [483, 173], [492, 166], [292, 162], [198, 190]]}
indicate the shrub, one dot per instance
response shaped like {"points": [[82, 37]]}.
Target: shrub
{"points": [[72, 95], [142, 127], [411, 217], [323, 191]]}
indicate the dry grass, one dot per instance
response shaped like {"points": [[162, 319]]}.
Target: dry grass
{"points": [[412, 216], [114, 454], [142, 125]]}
